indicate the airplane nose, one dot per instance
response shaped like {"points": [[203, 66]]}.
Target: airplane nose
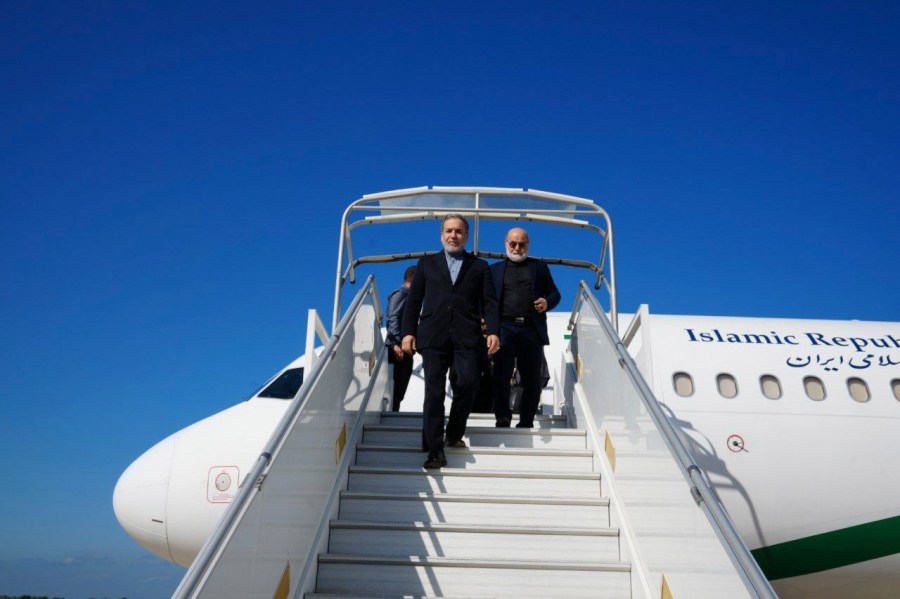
{"points": [[139, 500]]}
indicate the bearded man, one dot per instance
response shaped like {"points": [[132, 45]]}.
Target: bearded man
{"points": [[525, 292]]}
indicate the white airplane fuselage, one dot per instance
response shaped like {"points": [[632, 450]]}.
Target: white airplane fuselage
{"points": [[792, 471]]}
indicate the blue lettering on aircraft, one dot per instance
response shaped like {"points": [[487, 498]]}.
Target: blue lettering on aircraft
{"points": [[859, 344], [834, 363], [863, 355]]}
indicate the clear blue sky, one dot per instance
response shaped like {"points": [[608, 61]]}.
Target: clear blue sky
{"points": [[172, 178]]}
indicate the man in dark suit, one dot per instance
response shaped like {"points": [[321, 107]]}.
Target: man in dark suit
{"points": [[450, 293], [525, 292]]}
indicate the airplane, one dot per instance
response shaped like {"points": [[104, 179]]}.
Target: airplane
{"points": [[791, 420]]}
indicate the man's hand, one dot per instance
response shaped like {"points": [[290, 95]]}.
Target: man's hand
{"points": [[409, 344], [493, 344], [398, 351], [540, 305]]}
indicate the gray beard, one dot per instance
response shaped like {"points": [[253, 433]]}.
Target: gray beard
{"points": [[516, 257], [453, 251]]}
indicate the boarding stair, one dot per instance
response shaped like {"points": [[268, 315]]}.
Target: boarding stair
{"points": [[517, 513], [600, 499]]}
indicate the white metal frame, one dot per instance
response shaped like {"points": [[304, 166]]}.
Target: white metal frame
{"points": [[564, 216]]}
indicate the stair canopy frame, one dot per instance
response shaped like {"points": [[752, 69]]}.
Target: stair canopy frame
{"points": [[700, 489], [477, 204]]}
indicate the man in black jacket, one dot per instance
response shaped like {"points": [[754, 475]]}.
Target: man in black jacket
{"points": [[450, 293], [401, 361], [525, 292]]}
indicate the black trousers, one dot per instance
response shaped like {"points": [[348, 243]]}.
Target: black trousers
{"points": [[520, 346], [436, 362], [484, 389], [402, 372]]}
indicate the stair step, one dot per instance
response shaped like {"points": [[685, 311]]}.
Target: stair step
{"points": [[474, 482], [369, 596], [498, 510], [404, 596], [442, 576], [377, 539], [414, 420], [495, 458], [556, 438]]}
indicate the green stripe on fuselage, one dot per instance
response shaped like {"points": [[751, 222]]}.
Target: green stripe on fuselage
{"points": [[830, 549]]}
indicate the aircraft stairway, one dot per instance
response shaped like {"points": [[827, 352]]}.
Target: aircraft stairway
{"points": [[517, 513], [603, 501]]}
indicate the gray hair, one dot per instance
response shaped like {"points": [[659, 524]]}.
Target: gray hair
{"points": [[456, 217]]}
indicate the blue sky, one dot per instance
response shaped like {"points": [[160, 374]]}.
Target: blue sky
{"points": [[172, 178]]}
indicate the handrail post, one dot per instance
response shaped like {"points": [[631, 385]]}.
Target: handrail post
{"points": [[314, 327]]}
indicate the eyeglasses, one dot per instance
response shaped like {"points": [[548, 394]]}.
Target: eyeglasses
{"points": [[517, 244]]}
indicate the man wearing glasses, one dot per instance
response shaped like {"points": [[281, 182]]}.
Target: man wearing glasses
{"points": [[525, 292]]}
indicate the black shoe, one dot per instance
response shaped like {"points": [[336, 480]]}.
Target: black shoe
{"points": [[502, 422], [436, 459], [457, 443]]}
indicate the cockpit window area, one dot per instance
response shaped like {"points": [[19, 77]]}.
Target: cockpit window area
{"points": [[814, 387], [895, 387], [683, 383], [285, 386]]}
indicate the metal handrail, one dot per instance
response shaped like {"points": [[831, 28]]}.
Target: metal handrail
{"points": [[701, 490], [212, 548], [581, 206]]}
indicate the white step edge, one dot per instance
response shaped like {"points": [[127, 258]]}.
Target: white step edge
{"points": [[447, 562], [345, 596], [472, 416], [405, 596], [510, 541], [414, 419], [462, 472], [477, 528], [419, 497], [389, 505], [513, 451], [485, 430]]}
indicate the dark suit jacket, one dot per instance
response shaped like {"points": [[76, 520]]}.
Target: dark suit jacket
{"points": [[437, 311], [542, 285]]}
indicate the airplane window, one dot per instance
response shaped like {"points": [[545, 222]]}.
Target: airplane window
{"points": [[727, 385], [815, 388], [858, 389], [895, 387], [770, 386], [684, 384], [285, 386]]}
